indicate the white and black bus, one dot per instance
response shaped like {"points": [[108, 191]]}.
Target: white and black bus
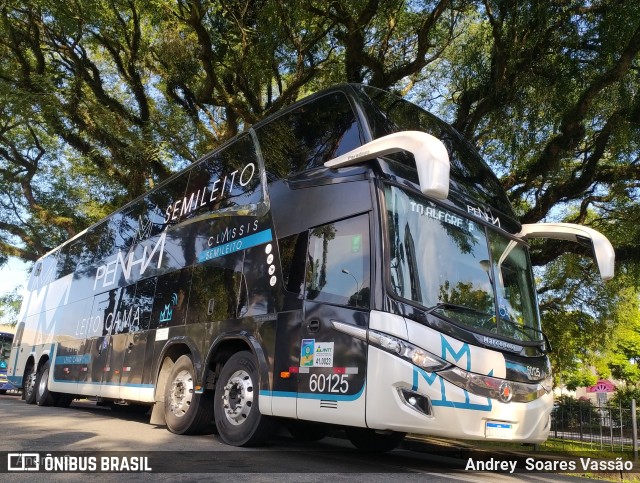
{"points": [[350, 260]]}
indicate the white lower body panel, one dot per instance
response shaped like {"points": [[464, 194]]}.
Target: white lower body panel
{"points": [[455, 413]]}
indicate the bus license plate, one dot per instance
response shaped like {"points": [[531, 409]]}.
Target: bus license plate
{"points": [[498, 430]]}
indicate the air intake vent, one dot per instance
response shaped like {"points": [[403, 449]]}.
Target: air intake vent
{"points": [[328, 404]]}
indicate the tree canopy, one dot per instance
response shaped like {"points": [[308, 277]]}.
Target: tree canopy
{"points": [[100, 100]]}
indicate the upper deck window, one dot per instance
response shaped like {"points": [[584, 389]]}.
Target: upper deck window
{"points": [[311, 134], [470, 175]]}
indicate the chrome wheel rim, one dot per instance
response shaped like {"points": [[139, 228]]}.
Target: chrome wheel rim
{"points": [[30, 384], [237, 399], [181, 394]]}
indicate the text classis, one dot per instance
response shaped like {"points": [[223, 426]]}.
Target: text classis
{"points": [[229, 234]]}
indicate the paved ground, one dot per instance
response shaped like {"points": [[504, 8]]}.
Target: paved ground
{"points": [[85, 431]]}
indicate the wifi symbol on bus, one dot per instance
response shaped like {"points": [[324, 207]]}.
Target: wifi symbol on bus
{"points": [[174, 299]]}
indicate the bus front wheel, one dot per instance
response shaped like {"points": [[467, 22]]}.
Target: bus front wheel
{"points": [[237, 415], [186, 410]]}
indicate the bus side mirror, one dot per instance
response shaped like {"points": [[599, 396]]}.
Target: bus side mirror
{"points": [[601, 246], [432, 159]]}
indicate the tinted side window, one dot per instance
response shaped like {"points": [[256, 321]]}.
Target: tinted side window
{"points": [[293, 251], [227, 179], [103, 313], [163, 204], [215, 289], [92, 251], [143, 304], [387, 114], [338, 267], [171, 299], [134, 226], [309, 135], [68, 258]]}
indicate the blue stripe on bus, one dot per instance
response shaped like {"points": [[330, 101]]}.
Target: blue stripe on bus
{"points": [[104, 383], [71, 360], [314, 395], [236, 245]]}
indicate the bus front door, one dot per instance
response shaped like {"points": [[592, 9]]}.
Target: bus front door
{"points": [[332, 367]]}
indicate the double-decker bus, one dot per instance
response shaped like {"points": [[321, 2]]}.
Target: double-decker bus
{"points": [[350, 261], [6, 338]]}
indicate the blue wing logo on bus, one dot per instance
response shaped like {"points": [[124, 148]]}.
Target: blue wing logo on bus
{"points": [[431, 377], [457, 355], [167, 314]]}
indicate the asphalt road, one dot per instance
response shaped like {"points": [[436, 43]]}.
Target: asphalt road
{"points": [[87, 431]]}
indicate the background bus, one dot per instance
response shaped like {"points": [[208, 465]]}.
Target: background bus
{"points": [[350, 260], [6, 340]]}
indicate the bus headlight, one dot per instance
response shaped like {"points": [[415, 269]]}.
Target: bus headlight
{"points": [[478, 384], [407, 351]]}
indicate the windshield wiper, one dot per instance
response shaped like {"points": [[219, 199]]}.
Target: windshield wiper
{"points": [[461, 308], [525, 331]]}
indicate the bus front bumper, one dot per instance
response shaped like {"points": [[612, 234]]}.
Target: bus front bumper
{"points": [[401, 397]]}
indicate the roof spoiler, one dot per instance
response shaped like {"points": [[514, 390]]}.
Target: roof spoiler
{"points": [[600, 245], [432, 158]]}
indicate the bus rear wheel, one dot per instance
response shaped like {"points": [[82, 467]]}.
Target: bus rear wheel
{"points": [[237, 415], [30, 385], [370, 440], [44, 397], [185, 410]]}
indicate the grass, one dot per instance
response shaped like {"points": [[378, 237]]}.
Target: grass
{"points": [[561, 447], [567, 449], [580, 448], [552, 449]]}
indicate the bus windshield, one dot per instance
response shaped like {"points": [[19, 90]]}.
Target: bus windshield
{"points": [[457, 268]]}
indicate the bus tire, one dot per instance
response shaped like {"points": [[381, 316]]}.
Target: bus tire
{"points": [[44, 397], [366, 439], [30, 385], [185, 411], [237, 415], [305, 430], [64, 400]]}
